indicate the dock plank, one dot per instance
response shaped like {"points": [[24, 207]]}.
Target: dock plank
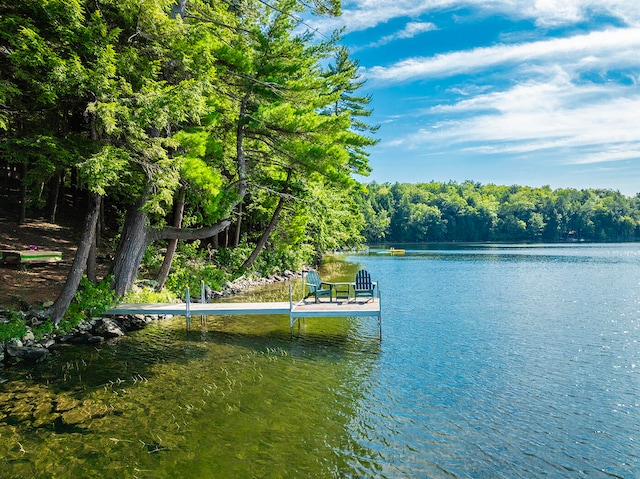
{"points": [[203, 309], [300, 309], [308, 309]]}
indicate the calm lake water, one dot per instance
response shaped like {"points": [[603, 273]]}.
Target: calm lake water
{"points": [[497, 361]]}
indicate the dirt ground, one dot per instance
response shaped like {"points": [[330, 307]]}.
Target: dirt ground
{"points": [[34, 284]]}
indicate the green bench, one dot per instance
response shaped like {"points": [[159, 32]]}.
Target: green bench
{"points": [[29, 256]]}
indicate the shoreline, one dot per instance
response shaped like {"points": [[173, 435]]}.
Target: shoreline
{"points": [[98, 329]]}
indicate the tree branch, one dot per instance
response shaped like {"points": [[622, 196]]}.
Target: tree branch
{"points": [[171, 232]]}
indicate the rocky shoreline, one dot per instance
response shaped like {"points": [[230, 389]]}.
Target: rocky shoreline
{"points": [[99, 329]]}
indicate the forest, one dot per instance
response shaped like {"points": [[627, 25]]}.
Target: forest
{"points": [[180, 129], [471, 211]]}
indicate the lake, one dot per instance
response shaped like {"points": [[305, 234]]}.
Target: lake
{"points": [[497, 361]]}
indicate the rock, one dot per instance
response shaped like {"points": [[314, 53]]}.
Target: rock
{"points": [[47, 304], [133, 322], [85, 325], [28, 353], [28, 337], [84, 338], [108, 328], [13, 343]]}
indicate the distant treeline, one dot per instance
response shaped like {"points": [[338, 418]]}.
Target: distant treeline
{"points": [[471, 211]]}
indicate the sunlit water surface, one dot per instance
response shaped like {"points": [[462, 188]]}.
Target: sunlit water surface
{"points": [[497, 361]]}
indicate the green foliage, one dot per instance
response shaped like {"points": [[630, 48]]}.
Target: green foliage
{"points": [[105, 168], [190, 275], [15, 328], [474, 212], [152, 258], [231, 259], [91, 299], [146, 294], [281, 258], [43, 329]]}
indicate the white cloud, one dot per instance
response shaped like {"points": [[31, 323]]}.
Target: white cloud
{"points": [[617, 153], [363, 14], [603, 48], [562, 12], [411, 30], [536, 118], [360, 15]]}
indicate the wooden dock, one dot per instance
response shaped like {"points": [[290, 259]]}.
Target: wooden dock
{"points": [[295, 310]]}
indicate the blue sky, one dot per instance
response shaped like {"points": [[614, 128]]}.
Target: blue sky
{"points": [[527, 92]]}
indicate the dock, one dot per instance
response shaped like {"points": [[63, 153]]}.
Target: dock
{"points": [[305, 308]]}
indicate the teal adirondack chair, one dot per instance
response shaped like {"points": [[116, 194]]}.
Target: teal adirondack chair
{"points": [[317, 287], [364, 288]]}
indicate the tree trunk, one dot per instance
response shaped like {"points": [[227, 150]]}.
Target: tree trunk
{"points": [[238, 230], [242, 165], [91, 260], [70, 287], [131, 248], [54, 196], [74, 188], [23, 195], [173, 243], [269, 230]]}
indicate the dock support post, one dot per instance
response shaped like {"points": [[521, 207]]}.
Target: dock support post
{"points": [[188, 308], [291, 308], [380, 313], [203, 300]]}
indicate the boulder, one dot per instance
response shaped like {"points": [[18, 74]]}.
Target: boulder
{"points": [[27, 353], [133, 322], [82, 338], [107, 328], [29, 337]]}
